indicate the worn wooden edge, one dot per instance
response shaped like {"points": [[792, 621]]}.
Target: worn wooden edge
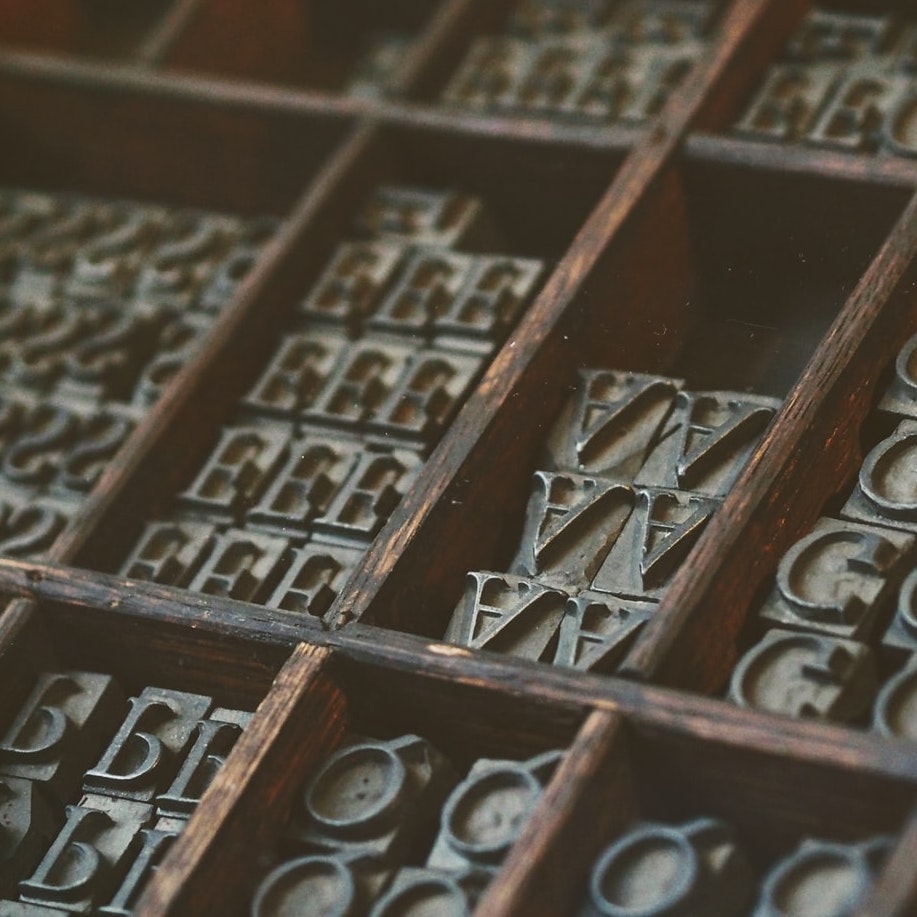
{"points": [[590, 798], [798, 159], [155, 48], [522, 371], [156, 426], [216, 857], [782, 490], [895, 891], [104, 598]]}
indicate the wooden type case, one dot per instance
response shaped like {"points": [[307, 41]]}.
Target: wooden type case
{"points": [[676, 247]]}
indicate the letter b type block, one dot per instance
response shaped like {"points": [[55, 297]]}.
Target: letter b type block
{"points": [[60, 730], [145, 754]]}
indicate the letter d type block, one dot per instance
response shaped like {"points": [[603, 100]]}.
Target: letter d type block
{"points": [[28, 825]]}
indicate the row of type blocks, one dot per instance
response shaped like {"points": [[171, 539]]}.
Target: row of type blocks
{"points": [[842, 610], [845, 82], [95, 786], [603, 61], [381, 353], [638, 465], [389, 829], [101, 303]]}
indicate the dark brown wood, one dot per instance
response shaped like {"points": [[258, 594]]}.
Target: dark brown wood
{"points": [[590, 798], [783, 488], [216, 857]]}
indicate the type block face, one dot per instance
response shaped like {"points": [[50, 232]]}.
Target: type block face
{"points": [[81, 869], [141, 759], [508, 614], [886, 489], [806, 675], [486, 812], [453, 893], [901, 396], [354, 283], [836, 876], [610, 424], [837, 579], [571, 523], [655, 540], [243, 565], [312, 885], [597, 630], [374, 797], [846, 83], [658, 870], [423, 217], [28, 824], [895, 713], [315, 576], [60, 730], [170, 552], [707, 440], [237, 471]]}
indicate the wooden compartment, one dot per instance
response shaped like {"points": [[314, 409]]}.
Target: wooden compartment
{"points": [[674, 247]]}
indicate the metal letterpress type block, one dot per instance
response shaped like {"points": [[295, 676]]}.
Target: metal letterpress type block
{"points": [[901, 633], [240, 467], [787, 104], [430, 387], [835, 878], [706, 441], [61, 729], [145, 754], [380, 798], [84, 865], [316, 575], [155, 844], [376, 71], [21, 909], [610, 423], [895, 712], [806, 675], [650, 76], [654, 542], [170, 552], [485, 814], [597, 630], [298, 372], [571, 523], [353, 284], [901, 396], [371, 491], [243, 565], [837, 579], [214, 739], [853, 117], [886, 489], [28, 527], [424, 216], [507, 614], [661, 870], [314, 886], [432, 891], [315, 469], [28, 825], [174, 346]]}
